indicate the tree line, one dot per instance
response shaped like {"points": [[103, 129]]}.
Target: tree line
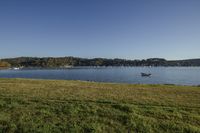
{"points": [[75, 61]]}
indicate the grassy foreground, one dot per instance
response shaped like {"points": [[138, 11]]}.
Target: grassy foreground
{"points": [[75, 106]]}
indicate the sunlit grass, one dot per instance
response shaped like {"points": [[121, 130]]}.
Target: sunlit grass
{"points": [[77, 106]]}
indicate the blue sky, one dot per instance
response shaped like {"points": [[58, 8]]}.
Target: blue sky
{"points": [[132, 29]]}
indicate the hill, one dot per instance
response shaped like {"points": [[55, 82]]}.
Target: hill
{"points": [[75, 61], [189, 62]]}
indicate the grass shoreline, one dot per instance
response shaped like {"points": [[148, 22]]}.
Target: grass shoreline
{"points": [[91, 81], [32, 105]]}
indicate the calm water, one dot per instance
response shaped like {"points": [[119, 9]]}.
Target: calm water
{"points": [[160, 75]]}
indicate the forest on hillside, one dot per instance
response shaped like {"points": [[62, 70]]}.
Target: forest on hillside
{"points": [[75, 61]]}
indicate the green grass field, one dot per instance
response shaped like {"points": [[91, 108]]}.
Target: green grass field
{"points": [[77, 106]]}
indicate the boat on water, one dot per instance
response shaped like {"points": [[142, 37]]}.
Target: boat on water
{"points": [[16, 68], [145, 74]]}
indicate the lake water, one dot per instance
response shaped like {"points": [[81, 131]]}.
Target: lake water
{"points": [[160, 75]]}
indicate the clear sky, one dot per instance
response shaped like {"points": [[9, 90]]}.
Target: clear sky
{"points": [[132, 29]]}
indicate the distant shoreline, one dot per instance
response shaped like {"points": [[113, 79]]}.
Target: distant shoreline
{"points": [[68, 62], [83, 67]]}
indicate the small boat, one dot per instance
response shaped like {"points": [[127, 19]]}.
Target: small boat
{"points": [[145, 74], [16, 68]]}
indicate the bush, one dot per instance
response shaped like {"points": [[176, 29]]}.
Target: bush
{"points": [[4, 64]]}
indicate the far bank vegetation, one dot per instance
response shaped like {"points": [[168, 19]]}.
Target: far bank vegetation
{"points": [[4, 64]]}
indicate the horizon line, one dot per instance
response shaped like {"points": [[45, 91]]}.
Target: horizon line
{"points": [[97, 58]]}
